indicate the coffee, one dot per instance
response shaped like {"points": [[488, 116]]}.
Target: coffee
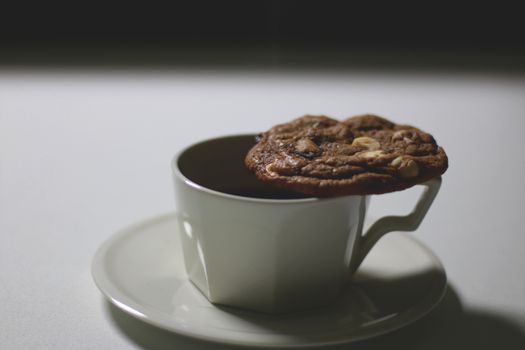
{"points": [[219, 165]]}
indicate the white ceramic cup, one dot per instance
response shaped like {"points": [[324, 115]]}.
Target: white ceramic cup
{"points": [[271, 254]]}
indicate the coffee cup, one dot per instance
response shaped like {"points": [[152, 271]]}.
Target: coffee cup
{"points": [[249, 245]]}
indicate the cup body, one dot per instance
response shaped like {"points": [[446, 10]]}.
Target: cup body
{"points": [[264, 254]]}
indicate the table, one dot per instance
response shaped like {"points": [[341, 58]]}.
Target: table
{"points": [[85, 151]]}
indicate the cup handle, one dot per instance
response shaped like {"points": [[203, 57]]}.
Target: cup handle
{"points": [[388, 224]]}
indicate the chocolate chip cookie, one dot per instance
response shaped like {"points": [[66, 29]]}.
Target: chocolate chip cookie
{"points": [[321, 156]]}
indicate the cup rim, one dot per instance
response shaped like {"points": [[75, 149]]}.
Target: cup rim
{"points": [[175, 169]]}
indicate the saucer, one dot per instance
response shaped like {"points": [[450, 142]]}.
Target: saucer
{"points": [[141, 271]]}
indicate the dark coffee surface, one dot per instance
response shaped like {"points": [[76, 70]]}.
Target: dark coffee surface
{"points": [[218, 165]]}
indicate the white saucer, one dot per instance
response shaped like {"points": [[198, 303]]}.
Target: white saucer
{"points": [[141, 271]]}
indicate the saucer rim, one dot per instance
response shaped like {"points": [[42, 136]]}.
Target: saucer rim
{"points": [[115, 296]]}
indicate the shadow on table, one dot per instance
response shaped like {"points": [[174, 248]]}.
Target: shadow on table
{"points": [[447, 326]]}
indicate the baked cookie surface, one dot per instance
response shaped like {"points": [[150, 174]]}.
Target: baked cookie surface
{"points": [[367, 154]]}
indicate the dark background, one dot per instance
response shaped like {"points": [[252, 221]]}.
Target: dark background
{"points": [[476, 29]]}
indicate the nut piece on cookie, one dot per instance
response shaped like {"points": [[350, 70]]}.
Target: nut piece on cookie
{"points": [[371, 154], [367, 154], [407, 168], [366, 143], [405, 135], [397, 162], [307, 148]]}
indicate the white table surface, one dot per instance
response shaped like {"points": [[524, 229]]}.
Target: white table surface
{"points": [[85, 152]]}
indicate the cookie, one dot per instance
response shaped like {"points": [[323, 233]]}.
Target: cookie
{"points": [[321, 156]]}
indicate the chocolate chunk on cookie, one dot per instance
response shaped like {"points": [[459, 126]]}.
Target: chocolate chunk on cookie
{"points": [[367, 154]]}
